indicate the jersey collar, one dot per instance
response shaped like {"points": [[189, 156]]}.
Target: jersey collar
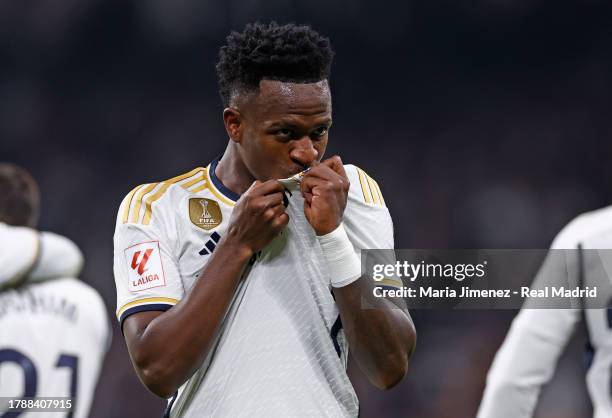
{"points": [[216, 182]]}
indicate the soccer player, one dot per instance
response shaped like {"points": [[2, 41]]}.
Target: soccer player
{"points": [[238, 294], [54, 328], [527, 359], [27, 254], [31, 256]]}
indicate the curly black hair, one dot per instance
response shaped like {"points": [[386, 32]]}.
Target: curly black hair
{"points": [[292, 53]]}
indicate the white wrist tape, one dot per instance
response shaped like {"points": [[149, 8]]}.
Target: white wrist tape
{"points": [[344, 265]]}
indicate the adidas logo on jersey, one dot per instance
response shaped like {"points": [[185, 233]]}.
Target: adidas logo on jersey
{"points": [[210, 245]]}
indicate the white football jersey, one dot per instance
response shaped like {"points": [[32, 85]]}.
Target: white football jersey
{"points": [[53, 338], [33, 256], [537, 337], [280, 351]]}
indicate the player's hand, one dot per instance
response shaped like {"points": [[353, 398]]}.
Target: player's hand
{"points": [[258, 217], [325, 189]]}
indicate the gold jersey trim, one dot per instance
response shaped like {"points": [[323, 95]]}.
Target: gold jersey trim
{"points": [[128, 204], [200, 187], [389, 282], [201, 176], [370, 189], [365, 188], [375, 195], [145, 301], [137, 195], [148, 210]]}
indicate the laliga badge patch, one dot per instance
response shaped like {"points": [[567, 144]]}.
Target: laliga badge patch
{"points": [[144, 264], [205, 213]]}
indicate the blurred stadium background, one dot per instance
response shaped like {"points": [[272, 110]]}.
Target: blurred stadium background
{"points": [[486, 122]]}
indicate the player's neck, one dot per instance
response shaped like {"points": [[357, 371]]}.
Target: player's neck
{"points": [[232, 172]]}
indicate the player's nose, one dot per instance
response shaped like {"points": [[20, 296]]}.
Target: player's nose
{"points": [[304, 152]]}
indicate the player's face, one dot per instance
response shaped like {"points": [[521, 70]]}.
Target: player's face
{"points": [[24, 209], [285, 128]]}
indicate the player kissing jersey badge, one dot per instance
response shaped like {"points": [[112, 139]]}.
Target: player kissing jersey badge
{"points": [[205, 213]]}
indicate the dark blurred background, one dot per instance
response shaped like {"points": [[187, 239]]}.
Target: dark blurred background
{"points": [[486, 122]]}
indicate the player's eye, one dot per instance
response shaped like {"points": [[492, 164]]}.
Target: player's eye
{"points": [[319, 132], [284, 133]]}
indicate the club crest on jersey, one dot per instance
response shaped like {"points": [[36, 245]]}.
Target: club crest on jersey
{"points": [[144, 265], [205, 213]]}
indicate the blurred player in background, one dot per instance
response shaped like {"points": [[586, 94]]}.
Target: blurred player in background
{"points": [[528, 357], [240, 294], [54, 330]]}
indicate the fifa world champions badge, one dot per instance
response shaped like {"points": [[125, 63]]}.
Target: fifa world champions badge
{"points": [[205, 213]]}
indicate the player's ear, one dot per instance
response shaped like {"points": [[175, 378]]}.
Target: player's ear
{"points": [[233, 123]]}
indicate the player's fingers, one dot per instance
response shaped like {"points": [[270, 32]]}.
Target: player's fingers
{"points": [[335, 163], [333, 179], [307, 198], [274, 211], [316, 185], [279, 211], [253, 186], [322, 171], [308, 183], [259, 188], [273, 214], [269, 187], [268, 201], [280, 221], [312, 181]]}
